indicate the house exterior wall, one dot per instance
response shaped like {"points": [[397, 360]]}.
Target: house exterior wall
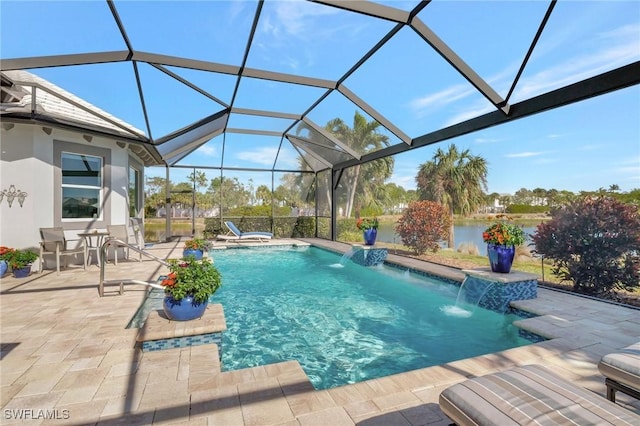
{"points": [[29, 159]]}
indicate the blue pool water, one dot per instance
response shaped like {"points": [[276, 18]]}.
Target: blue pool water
{"points": [[346, 324]]}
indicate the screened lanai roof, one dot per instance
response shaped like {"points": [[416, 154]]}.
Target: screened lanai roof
{"points": [[251, 85]]}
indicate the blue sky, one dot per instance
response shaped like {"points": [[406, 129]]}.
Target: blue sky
{"points": [[584, 146]]}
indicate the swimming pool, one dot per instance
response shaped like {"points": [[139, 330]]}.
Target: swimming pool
{"points": [[346, 324]]}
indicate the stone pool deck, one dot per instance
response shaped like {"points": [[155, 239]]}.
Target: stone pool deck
{"points": [[66, 351]]}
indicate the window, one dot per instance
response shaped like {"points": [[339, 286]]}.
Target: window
{"points": [[134, 192], [81, 186]]}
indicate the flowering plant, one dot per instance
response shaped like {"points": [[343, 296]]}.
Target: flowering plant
{"points": [[197, 244], [364, 223], [503, 233], [19, 259], [191, 277], [6, 252]]}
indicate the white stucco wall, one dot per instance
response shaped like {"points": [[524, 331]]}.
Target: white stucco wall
{"points": [[20, 167], [27, 161]]}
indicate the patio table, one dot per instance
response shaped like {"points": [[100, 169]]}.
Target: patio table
{"points": [[92, 243]]}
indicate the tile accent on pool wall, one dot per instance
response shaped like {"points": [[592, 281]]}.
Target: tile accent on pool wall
{"points": [[183, 342], [422, 273], [369, 256], [532, 337]]}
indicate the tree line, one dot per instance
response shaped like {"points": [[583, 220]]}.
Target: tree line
{"points": [[455, 178]]}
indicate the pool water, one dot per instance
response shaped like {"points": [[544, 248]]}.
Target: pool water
{"points": [[346, 324]]}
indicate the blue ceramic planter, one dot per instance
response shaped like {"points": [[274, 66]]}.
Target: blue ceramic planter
{"points": [[192, 252], [3, 267], [183, 310], [370, 236], [500, 257], [22, 272]]}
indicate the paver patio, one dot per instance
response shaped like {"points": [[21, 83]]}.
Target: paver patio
{"points": [[66, 351]]}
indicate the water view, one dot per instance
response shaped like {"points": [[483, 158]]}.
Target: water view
{"points": [[462, 234]]}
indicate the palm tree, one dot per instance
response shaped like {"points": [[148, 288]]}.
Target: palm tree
{"points": [[454, 179], [369, 177], [364, 182]]}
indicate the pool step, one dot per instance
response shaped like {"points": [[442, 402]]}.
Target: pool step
{"points": [[160, 333]]}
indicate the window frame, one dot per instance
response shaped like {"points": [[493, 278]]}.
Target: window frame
{"points": [[105, 203], [139, 186], [99, 187]]}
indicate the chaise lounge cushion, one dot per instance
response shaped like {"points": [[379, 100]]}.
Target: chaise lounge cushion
{"points": [[529, 395], [623, 366]]}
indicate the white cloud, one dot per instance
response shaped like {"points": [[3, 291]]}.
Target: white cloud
{"points": [[208, 151], [631, 168], [264, 156], [422, 105], [523, 154], [295, 18], [480, 109], [621, 47], [589, 147], [407, 182], [487, 140]]}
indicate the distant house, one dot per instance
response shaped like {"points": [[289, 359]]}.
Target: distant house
{"points": [[74, 162]]}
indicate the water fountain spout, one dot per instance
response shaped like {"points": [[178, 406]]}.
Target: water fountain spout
{"points": [[347, 256], [472, 291]]}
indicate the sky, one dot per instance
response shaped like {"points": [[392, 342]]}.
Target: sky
{"points": [[585, 146]]}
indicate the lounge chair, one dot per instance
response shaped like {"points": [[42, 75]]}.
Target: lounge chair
{"points": [[621, 370], [529, 395], [235, 234]]}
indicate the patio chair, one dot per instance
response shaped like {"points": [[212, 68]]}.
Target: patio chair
{"points": [[120, 232], [54, 242], [235, 234], [529, 395], [138, 233], [621, 370]]}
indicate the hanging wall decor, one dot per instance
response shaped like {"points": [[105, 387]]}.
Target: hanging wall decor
{"points": [[12, 193]]}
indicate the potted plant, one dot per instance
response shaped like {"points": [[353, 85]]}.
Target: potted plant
{"points": [[196, 247], [502, 238], [20, 262], [369, 228], [5, 254], [188, 287]]}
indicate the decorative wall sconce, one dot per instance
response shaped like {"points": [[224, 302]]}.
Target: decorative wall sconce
{"points": [[12, 193]]}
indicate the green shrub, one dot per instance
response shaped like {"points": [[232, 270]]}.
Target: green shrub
{"points": [[350, 236], [525, 208], [371, 211], [283, 227]]}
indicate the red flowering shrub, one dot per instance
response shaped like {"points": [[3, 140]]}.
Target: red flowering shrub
{"points": [[6, 252], [593, 242], [422, 225]]}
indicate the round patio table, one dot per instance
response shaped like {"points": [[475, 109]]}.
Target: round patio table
{"points": [[92, 243]]}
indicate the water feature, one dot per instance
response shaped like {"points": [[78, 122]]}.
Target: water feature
{"points": [[347, 324], [469, 297], [345, 258]]}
